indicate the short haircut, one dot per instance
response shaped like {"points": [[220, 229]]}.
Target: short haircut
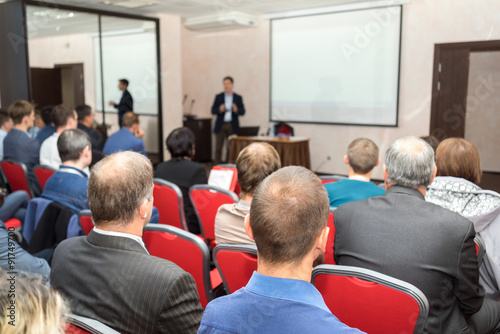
{"points": [[254, 163], [363, 155], [124, 81], [47, 114], [20, 109], [4, 117], [431, 140], [130, 118], [180, 143], [409, 162], [71, 143], [228, 78], [288, 212], [460, 158], [83, 111], [38, 308], [61, 114], [118, 185]]}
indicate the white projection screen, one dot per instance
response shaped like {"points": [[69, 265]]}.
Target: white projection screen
{"points": [[337, 68]]}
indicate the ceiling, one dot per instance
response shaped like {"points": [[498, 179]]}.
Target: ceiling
{"points": [[192, 8]]}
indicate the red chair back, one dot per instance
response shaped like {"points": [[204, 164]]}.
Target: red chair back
{"points": [[329, 259], [76, 324], [170, 204], [480, 250], [184, 249], [206, 201], [370, 301], [43, 173], [13, 223], [234, 186], [85, 220], [236, 264], [330, 178], [17, 176]]}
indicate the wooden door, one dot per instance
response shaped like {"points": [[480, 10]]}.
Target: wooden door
{"points": [[45, 86]]}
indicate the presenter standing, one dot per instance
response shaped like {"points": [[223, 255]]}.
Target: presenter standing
{"points": [[227, 106], [126, 102]]}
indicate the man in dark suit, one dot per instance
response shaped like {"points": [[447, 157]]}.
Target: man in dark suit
{"points": [[227, 106], [86, 118], [109, 275], [126, 102], [401, 235], [18, 145]]}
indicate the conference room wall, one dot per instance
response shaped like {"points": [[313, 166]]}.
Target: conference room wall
{"points": [[244, 53]]}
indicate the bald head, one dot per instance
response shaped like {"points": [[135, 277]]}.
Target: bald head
{"points": [[409, 162], [118, 185]]}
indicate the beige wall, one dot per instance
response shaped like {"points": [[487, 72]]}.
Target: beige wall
{"points": [[244, 54]]}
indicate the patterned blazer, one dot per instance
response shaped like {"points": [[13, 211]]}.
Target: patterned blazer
{"points": [[114, 280]]}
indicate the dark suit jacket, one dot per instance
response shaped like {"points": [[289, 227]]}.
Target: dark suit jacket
{"points": [[17, 145], [126, 104], [401, 235], [219, 99], [184, 173], [114, 280]]}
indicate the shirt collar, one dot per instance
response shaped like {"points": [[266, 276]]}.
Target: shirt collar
{"points": [[72, 170], [359, 178], [286, 288], [121, 234]]}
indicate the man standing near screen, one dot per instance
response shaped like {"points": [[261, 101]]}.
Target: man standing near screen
{"points": [[227, 106], [126, 102]]}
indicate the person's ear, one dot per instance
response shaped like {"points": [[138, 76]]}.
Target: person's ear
{"points": [[248, 228], [378, 162], [323, 238], [144, 208], [434, 172], [346, 160]]}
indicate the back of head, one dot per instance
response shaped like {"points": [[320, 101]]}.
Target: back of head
{"points": [[20, 109], [410, 162], [46, 114], [288, 212], [254, 163], [180, 143], [83, 111], [363, 155], [71, 143], [124, 82], [4, 117], [61, 115], [129, 119], [118, 185], [37, 309], [460, 158]]}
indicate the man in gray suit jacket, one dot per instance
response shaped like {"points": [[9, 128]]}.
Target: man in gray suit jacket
{"points": [[109, 275], [401, 235]]}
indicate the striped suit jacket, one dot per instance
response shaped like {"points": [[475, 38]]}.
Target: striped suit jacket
{"points": [[115, 281]]}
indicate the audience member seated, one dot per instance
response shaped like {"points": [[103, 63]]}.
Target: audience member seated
{"points": [[29, 306], [39, 124], [6, 124], [13, 205], [128, 138], [183, 172], [68, 186], [109, 275], [86, 119], [401, 235], [18, 145], [456, 189], [49, 128], [288, 223], [63, 118], [22, 261], [362, 156], [254, 163]]}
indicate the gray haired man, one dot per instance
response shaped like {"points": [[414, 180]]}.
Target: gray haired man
{"points": [[401, 235]]}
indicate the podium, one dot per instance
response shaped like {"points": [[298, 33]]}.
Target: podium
{"points": [[202, 129]]}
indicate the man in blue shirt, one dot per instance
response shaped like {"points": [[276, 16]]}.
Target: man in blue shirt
{"points": [[287, 221], [362, 157], [128, 138], [68, 186]]}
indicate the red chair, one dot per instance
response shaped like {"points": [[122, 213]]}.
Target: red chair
{"points": [[480, 250], [329, 259], [85, 220], [17, 176], [13, 223], [206, 201], [43, 173], [234, 186], [370, 301], [187, 251], [170, 204], [80, 325], [331, 178], [236, 264]]}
